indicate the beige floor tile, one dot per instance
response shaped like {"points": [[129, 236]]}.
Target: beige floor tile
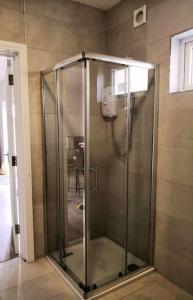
{"points": [[41, 288], [68, 295], [174, 289], [154, 291], [18, 271], [132, 287], [38, 281], [9, 263]]}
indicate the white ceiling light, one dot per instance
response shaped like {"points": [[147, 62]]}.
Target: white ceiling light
{"points": [[102, 4]]}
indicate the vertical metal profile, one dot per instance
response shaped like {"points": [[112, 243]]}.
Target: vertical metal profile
{"points": [[128, 139], [59, 162], [86, 99], [44, 160], [154, 166]]}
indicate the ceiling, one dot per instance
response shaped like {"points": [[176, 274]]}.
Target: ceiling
{"points": [[102, 4]]}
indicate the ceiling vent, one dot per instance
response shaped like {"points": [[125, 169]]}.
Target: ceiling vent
{"points": [[140, 16]]}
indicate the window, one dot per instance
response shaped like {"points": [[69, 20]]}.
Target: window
{"points": [[181, 62], [186, 64], [138, 80], [119, 80]]}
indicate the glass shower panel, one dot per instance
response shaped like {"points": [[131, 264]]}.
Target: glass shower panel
{"points": [[108, 173], [71, 128], [142, 84], [51, 165]]}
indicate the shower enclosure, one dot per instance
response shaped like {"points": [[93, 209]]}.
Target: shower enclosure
{"points": [[99, 136]]}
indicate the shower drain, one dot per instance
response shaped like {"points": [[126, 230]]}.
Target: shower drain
{"points": [[132, 267]]}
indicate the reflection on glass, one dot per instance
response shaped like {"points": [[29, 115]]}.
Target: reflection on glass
{"points": [[72, 140], [75, 178], [108, 155], [51, 166]]}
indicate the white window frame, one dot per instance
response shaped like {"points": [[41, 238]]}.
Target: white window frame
{"points": [[23, 146], [113, 81], [132, 76], [180, 62], [186, 65]]}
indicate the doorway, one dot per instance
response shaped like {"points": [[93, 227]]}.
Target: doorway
{"points": [[16, 210], [9, 213]]}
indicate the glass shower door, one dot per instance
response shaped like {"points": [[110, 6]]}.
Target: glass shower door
{"points": [[72, 183], [140, 168], [107, 123], [51, 165]]}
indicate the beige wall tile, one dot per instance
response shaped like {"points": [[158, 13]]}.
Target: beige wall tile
{"points": [[37, 187], [39, 60], [89, 40], [175, 165], [175, 128], [180, 240], [11, 25], [181, 100], [175, 200], [37, 153], [38, 210], [91, 18], [60, 10], [36, 129], [158, 52], [12, 4], [171, 260], [169, 20], [35, 105], [62, 37]]}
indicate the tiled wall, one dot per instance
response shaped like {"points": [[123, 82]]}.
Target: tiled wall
{"points": [[53, 30], [151, 42]]}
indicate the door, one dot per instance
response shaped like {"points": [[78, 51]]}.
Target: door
{"points": [[72, 172], [51, 162], [12, 151], [107, 122], [140, 177]]}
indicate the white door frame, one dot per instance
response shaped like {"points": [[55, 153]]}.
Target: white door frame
{"points": [[23, 146]]}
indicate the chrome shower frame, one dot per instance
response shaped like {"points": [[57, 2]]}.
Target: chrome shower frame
{"points": [[85, 58]]}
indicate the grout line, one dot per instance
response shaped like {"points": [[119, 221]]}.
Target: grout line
{"points": [[24, 21], [175, 146], [176, 183]]}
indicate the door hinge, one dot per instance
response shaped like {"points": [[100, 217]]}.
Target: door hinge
{"points": [[14, 161], [11, 81], [17, 229]]}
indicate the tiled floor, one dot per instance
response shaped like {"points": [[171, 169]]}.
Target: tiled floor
{"points": [[39, 281]]}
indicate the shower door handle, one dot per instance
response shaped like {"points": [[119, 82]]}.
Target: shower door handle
{"points": [[95, 171]]}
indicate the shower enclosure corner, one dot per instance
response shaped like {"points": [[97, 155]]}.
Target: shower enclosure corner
{"points": [[99, 164]]}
